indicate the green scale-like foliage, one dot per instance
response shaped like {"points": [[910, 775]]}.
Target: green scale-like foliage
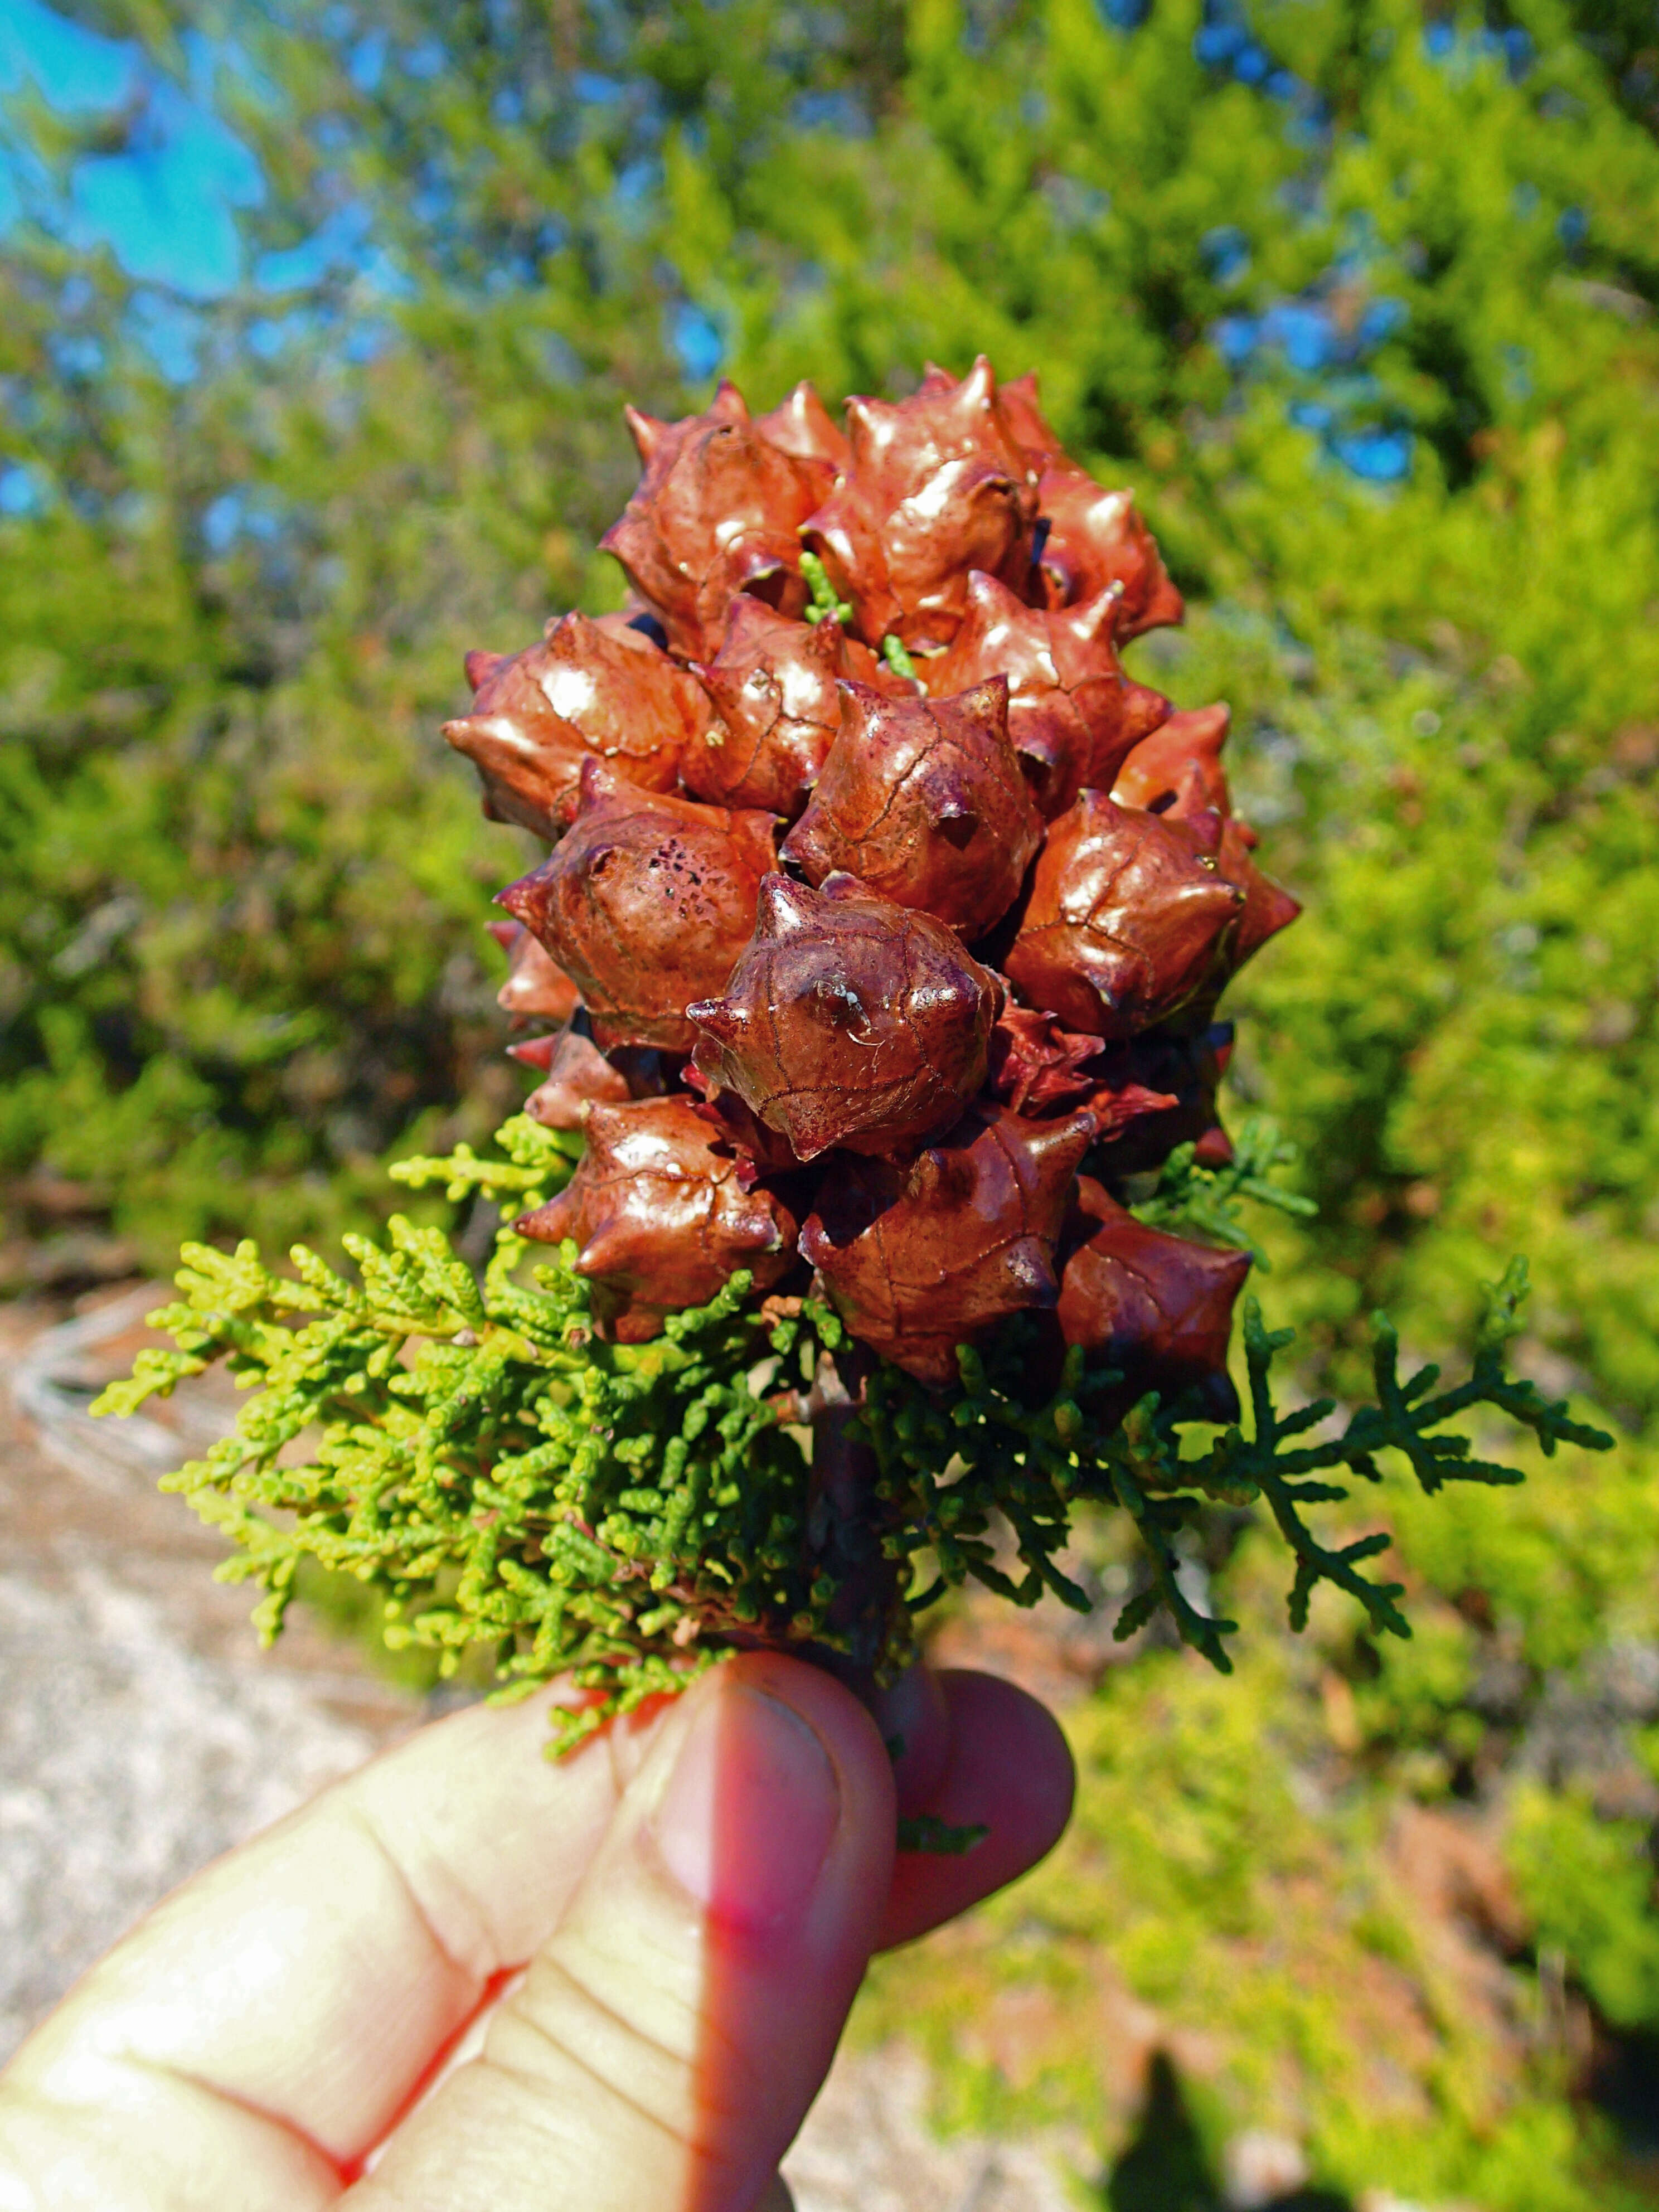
{"points": [[623, 1514]]}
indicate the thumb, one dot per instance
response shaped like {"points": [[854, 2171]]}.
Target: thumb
{"points": [[668, 2037]]}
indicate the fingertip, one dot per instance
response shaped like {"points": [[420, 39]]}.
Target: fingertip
{"points": [[1011, 1770], [913, 1716]]}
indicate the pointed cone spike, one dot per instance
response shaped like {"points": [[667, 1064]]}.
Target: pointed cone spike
{"points": [[520, 899], [726, 1023], [481, 666], [547, 1224], [978, 389], [991, 597], [1096, 618], [466, 733], [728, 402], [646, 431], [986, 703], [782, 907]]}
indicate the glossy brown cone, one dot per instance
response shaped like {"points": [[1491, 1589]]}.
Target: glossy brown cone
{"points": [[1073, 715], [776, 711], [589, 690], [921, 1259], [938, 486], [1095, 539], [537, 988], [848, 1021], [1200, 800], [1162, 767], [1036, 1067], [803, 426], [576, 1075], [647, 901], [659, 1217], [924, 801], [1159, 1307], [1127, 921], [717, 512]]}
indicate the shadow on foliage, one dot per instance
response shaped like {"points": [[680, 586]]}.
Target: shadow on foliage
{"points": [[1167, 2169]]}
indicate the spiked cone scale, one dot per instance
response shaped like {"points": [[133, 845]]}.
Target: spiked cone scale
{"points": [[1093, 540], [848, 1021], [589, 690], [1129, 918], [921, 1259], [646, 903], [871, 956], [717, 512], [1160, 768], [660, 1217], [1073, 716], [803, 427], [936, 486], [776, 708], [924, 799], [537, 988], [1159, 1307]]}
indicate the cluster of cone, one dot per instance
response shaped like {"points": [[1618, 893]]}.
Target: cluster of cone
{"points": [[882, 902]]}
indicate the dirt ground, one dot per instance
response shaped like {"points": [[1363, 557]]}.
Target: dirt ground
{"points": [[143, 1733]]}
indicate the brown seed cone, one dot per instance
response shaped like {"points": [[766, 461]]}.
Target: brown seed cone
{"points": [[1073, 715], [923, 801], [717, 512], [1160, 769], [848, 1020], [1128, 920], [921, 1259], [1095, 538], [537, 988], [937, 486], [589, 690], [776, 710], [1185, 1066], [760, 1151], [803, 426], [647, 901], [576, 1075], [659, 1217], [1268, 907], [1036, 1067], [1159, 1307]]}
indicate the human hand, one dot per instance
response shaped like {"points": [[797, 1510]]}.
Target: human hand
{"points": [[695, 1895]]}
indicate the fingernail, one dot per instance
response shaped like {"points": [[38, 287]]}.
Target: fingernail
{"points": [[750, 1810]]}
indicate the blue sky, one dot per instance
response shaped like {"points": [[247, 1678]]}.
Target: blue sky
{"points": [[168, 205]]}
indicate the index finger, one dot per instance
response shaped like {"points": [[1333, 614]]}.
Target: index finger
{"points": [[295, 1995]]}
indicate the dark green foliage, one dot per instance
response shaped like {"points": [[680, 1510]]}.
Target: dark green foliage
{"points": [[624, 1513], [1195, 1200]]}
